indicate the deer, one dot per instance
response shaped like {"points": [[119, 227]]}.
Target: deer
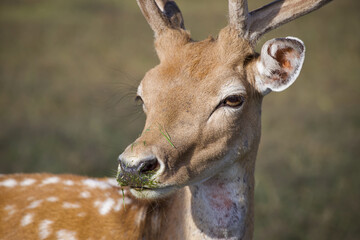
{"points": [[190, 174]]}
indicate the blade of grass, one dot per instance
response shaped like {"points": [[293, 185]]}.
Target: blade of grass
{"points": [[167, 136], [123, 194]]}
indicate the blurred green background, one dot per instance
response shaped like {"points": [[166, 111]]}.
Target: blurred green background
{"points": [[68, 75]]}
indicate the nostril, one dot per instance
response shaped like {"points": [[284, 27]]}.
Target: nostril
{"points": [[122, 165], [149, 166], [125, 167]]}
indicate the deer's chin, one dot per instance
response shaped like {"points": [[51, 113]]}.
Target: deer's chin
{"points": [[153, 193]]}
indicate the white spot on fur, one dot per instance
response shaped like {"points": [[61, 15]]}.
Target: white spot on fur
{"points": [[52, 199], [8, 183], [27, 219], [105, 206], [112, 182], [50, 180], [82, 214], [69, 182], [30, 198], [10, 209], [95, 184], [65, 235], [45, 229], [85, 194], [70, 205], [118, 205], [127, 200], [27, 182], [35, 204]]}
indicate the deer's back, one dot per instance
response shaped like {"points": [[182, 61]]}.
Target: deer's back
{"points": [[45, 206]]}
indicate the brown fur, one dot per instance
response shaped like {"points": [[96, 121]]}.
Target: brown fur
{"points": [[92, 225]]}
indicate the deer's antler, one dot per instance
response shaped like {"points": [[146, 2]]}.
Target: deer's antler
{"points": [[256, 23], [238, 15], [161, 14]]}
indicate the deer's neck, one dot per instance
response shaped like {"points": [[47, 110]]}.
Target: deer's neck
{"points": [[219, 208]]}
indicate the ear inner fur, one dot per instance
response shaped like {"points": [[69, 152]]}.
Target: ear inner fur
{"points": [[279, 64]]}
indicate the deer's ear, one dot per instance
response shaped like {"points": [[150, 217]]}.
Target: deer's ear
{"points": [[279, 64]]}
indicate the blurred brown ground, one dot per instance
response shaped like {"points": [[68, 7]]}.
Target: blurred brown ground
{"points": [[69, 69]]}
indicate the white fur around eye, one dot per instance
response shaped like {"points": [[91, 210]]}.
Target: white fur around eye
{"points": [[232, 110], [233, 87]]}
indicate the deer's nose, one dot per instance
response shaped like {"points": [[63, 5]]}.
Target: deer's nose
{"points": [[144, 166]]}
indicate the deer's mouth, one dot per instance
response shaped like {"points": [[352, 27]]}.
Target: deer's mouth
{"points": [[143, 177], [152, 193], [137, 182], [141, 188]]}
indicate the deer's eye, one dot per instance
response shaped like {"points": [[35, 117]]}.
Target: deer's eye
{"points": [[233, 101]]}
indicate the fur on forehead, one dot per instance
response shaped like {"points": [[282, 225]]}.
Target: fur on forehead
{"points": [[227, 49]]}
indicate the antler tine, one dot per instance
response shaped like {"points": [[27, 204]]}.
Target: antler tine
{"points": [[238, 15], [153, 15], [278, 13], [161, 14]]}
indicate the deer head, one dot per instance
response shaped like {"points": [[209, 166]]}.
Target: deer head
{"points": [[203, 101]]}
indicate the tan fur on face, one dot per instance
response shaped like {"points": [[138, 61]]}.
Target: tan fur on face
{"points": [[180, 95]]}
